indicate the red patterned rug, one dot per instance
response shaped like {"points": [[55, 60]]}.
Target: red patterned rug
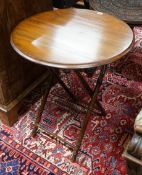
{"points": [[105, 137]]}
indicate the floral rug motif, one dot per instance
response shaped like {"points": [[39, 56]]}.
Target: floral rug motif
{"points": [[105, 138]]}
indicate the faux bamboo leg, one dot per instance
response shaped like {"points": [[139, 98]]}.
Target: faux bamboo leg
{"points": [[63, 85], [84, 83], [90, 91], [88, 114], [41, 108]]}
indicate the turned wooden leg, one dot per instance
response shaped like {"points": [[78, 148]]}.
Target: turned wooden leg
{"points": [[133, 155]]}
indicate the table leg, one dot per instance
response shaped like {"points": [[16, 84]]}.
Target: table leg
{"points": [[84, 83], [89, 90], [41, 108], [88, 114], [56, 74]]}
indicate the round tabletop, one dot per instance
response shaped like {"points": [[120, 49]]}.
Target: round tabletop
{"points": [[72, 38]]}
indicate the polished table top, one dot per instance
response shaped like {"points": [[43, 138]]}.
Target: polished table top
{"points": [[72, 38]]}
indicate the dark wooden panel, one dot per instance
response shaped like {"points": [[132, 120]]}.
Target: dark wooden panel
{"points": [[16, 74]]}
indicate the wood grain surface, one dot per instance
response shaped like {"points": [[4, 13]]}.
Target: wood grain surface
{"points": [[72, 38]]}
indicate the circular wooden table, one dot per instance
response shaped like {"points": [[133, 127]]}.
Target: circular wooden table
{"points": [[72, 39]]}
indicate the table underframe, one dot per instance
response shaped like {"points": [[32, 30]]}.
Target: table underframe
{"points": [[93, 94]]}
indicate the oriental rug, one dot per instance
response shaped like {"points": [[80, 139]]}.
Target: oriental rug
{"points": [[105, 138]]}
